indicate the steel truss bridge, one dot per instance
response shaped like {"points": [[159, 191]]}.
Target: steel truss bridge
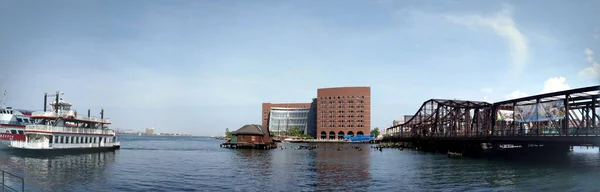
{"points": [[569, 117]]}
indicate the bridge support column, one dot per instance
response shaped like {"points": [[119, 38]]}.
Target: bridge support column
{"points": [[565, 125]]}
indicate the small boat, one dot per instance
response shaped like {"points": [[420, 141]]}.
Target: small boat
{"points": [[455, 155], [290, 140]]}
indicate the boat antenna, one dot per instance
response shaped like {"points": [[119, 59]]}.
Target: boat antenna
{"points": [[4, 100]]}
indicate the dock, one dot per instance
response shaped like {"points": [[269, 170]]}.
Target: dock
{"points": [[249, 145]]}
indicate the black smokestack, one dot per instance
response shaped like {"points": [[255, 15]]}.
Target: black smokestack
{"points": [[45, 101], [56, 104]]}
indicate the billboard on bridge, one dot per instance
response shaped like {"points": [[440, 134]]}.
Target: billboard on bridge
{"points": [[505, 115], [548, 111]]}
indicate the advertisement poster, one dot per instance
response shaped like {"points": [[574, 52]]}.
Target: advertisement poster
{"points": [[505, 115], [554, 110], [547, 111], [526, 113]]}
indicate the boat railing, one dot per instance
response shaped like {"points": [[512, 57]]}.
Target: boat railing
{"points": [[13, 122], [9, 181], [53, 114], [69, 113], [68, 130], [95, 119]]}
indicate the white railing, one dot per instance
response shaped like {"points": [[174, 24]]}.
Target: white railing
{"points": [[53, 114], [96, 119], [67, 114], [68, 130], [13, 122], [28, 145]]}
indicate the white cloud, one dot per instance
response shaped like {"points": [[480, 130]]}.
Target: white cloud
{"points": [[591, 72], [487, 90], [552, 84], [504, 25], [590, 55], [485, 98], [516, 94], [555, 84]]}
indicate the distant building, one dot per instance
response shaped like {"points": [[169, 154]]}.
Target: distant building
{"points": [[149, 131], [279, 117], [130, 131], [407, 117], [397, 122]]}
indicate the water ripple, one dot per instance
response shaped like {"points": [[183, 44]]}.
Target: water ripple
{"points": [[199, 164]]}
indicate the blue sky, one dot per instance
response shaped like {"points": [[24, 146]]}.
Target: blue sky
{"points": [[202, 66]]}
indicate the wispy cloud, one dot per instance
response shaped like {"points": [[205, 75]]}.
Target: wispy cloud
{"points": [[591, 72], [504, 25], [516, 94]]}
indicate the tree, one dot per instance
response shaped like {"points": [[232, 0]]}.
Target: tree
{"points": [[294, 131], [375, 131], [227, 133]]}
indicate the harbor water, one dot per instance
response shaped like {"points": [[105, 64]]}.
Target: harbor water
{"points": [[156, 163]]}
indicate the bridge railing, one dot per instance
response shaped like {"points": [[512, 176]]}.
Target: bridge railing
{"points": [[531, 132], [9, 181]]}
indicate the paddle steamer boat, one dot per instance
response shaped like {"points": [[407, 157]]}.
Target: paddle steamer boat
{"points": [[63, 129]]}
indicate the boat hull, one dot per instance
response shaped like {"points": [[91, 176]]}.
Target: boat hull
{"points": [[61, 151]]}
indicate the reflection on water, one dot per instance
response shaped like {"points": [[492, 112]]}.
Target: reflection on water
{"points": [[347, 169], [71, 172]]}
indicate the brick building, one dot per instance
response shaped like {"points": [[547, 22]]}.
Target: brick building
{"points": [[334, 113], [343, 111]]}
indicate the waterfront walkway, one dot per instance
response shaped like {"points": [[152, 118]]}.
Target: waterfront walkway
{"points": [[565, 117]]}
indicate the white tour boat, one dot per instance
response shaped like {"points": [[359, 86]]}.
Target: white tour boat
{"points": [[63, 129], [12, 123]]}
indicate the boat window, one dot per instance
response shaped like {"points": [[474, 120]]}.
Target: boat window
{"points": [[21, 132], [13, 131]]}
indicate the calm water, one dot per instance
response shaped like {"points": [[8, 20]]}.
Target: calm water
{"points": [[198, 164]]}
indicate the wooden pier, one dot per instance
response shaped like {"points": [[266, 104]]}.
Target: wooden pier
{"points": [[249, 145]]}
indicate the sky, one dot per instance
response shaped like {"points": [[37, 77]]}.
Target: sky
{"points": [[202, 66]]}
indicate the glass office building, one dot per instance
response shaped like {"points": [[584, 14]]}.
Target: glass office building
{"points": [[282, 119]]}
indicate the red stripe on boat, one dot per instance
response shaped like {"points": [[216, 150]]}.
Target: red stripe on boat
{"points": [[15, 137], [12, 125]]}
